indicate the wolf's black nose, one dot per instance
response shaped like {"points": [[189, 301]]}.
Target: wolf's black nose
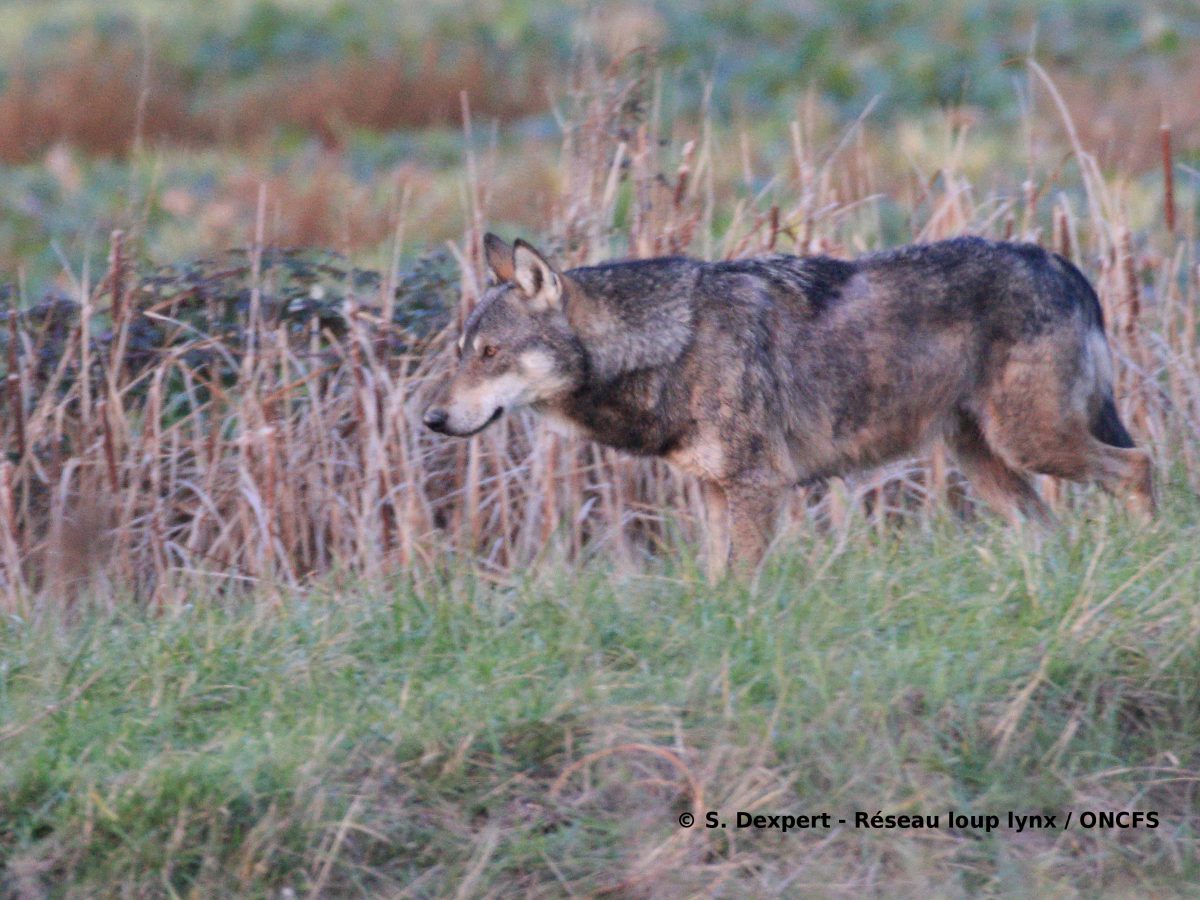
{"points": [[436, 419]]}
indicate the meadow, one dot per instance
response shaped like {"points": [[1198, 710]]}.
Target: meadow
{"points": [[542, 737], [261, 634]]}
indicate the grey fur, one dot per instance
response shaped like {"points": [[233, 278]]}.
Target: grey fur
{"points": [[758, 374]]}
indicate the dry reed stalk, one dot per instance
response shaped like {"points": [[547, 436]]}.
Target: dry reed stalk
{"points": [[938, 478], [1126, 263], [1168, 168], [85, 356], [10, 540], [773, 231], [388, 288], [409, 517], [1128, 324], [116, 278], [1190, 324], [363, 423], [1062, 232], [256, 256], [1189, 362], [152, 450], [381, 463], [876, 504], [574, 502], [472, 491], [1089, 171], [110, 450], [14, 387], [505, 488]]}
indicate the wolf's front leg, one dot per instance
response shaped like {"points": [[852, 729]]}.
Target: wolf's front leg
{"points": [[753, 509], [716, 530]]}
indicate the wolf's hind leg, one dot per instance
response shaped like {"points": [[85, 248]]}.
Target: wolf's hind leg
{"points": [[1117, 464], [1002, 487], [1066, 448], [716, 530], [1126, 473], [1039, 417]]}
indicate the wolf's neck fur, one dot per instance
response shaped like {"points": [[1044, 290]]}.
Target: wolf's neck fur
{"points": [[631, 316], [634, 321]]}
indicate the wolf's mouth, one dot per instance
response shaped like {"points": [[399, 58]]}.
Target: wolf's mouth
{"points": [[499, 412]]}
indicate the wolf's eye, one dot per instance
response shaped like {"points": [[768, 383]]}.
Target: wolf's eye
{"points": [[489, 351]]}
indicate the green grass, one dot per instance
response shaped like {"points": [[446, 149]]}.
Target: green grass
{"points": [[367, 737]]}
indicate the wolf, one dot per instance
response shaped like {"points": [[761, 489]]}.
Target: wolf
{"points": [[758, 374]]}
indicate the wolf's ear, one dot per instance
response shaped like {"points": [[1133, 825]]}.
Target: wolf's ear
{"points": [[537, 279], [499, 257]]}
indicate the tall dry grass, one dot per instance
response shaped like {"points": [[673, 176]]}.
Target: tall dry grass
{"points": [[135, 474]]}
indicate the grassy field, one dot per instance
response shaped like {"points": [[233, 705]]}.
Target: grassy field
{"points": [[542, 736], [262, 634]]}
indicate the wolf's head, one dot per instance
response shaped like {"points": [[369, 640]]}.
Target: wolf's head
{"points": [[516, 348]]}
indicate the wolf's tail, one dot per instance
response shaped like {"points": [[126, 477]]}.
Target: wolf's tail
{"points": [[1107, 426], [1106, 423]]}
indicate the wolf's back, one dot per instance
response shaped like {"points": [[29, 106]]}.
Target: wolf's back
{"points": [[815, 281]]}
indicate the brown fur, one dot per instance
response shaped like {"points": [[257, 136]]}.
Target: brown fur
{"points": [[754, 375]]}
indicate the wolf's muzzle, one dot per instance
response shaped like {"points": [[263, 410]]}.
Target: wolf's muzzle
{"points": [[438, 420]]}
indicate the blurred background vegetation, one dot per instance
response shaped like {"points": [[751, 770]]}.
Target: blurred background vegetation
{"points": [[164, 118], [214, 423]]}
